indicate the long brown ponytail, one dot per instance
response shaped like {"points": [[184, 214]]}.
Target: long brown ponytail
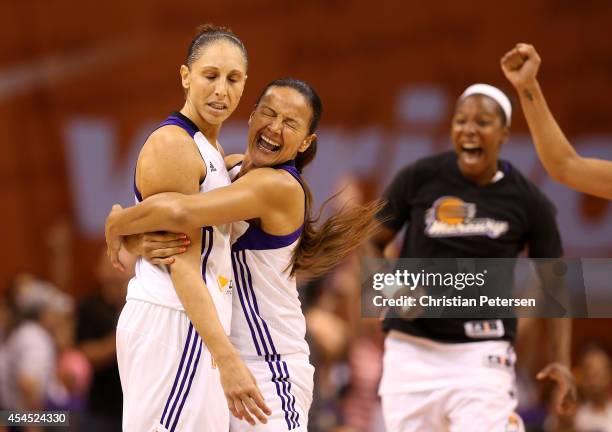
{"points": [[322, 247]]}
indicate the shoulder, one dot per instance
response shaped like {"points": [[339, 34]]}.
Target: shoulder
{"points": [[232, 160], [272, 184], [271, 178], [169, 162], [536, 199], [169, 146], [169, 139]]}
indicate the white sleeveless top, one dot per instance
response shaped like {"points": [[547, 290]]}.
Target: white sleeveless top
{"points": [[267, 315], [153, 283]]}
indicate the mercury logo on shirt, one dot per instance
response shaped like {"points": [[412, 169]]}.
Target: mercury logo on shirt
{"points": [[452, 217]]}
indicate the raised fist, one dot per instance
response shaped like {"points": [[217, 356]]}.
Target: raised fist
{"points": [[520, 65]]}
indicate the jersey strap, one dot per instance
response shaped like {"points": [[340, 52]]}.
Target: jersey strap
{"points": [[182, 121]]}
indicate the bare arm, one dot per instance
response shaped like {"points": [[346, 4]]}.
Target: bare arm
{"points": [[169, 162], [257, 194], [381, 240], [560, 334], [592, 176]]}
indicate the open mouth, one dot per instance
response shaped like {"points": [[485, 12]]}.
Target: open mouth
{"points": [[267, 144], [217, 106], [471, 153]]}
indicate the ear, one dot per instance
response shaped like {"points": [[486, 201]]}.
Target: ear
{"points": [[307, 142], [505, 134], [251, 117], [185, 77]]}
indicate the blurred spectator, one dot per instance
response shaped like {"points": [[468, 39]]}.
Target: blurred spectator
{"points": [[345, 349], [594, 414], [97, 319], [29, 358], [327, 336]]}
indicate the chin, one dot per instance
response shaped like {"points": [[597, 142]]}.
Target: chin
{"points": [[472, 170], [214, 120]]}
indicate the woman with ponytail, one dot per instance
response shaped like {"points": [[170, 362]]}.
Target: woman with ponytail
{"points": [[275, 237]]}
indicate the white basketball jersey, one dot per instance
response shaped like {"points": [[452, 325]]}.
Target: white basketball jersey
{"points": [[267, 315], [153, 283]]}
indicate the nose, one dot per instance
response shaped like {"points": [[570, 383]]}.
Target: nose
{"points": [[469, 128], [221, 88], [276, 125]]}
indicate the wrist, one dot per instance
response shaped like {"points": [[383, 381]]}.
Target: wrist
{"points": [[530, 85], [226, 357]]}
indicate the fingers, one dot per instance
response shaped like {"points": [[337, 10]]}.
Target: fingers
{"points": [[243, 412], [527, 51], [544, 373], [114, 258], [255, 410], [232, 407], [161, 261], [152, 250], [512, 60], [113, 255], [163, 252], [164, 237], [259, 401], [247, 404]]}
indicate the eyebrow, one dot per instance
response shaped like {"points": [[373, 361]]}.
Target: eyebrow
{"points": [[287, 119], [216, 68]]}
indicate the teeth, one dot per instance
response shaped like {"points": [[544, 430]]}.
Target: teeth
{"points": [[269, 141], [470, 146], [217, 105]]}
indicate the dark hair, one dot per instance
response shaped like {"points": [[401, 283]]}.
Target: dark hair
{"points": [[322, 247], [207, 34]]}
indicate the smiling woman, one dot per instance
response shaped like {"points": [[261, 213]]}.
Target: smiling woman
{"points": [[464, 204], [275, 236], [175, 322], [480, 126]]}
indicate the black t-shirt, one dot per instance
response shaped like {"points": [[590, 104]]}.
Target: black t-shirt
{"points": [[448, 216]]}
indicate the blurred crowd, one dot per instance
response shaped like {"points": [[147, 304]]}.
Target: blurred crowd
{"points": [[57, 353]]}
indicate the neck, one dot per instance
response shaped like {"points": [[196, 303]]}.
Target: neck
{"points": [[481, 179], [247, 165], [211, 132]]}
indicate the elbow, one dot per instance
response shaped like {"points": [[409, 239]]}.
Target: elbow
{"points": [[181, 214], [562, 171], [177, 215]]}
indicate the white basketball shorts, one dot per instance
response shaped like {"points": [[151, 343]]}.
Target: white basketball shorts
{"points": [[169, 380], [286, 382], [445, 387]]}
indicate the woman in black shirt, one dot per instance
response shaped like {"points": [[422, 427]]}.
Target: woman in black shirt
{"points": [[459, 373]]}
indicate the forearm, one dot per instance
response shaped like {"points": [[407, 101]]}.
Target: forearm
{"points": [[100, 352], [200, 309], [30, 391], [553, 148], [158, 213], [560, 330]]}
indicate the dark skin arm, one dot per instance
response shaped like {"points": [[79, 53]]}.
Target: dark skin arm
{"points": [[560, 159]]}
